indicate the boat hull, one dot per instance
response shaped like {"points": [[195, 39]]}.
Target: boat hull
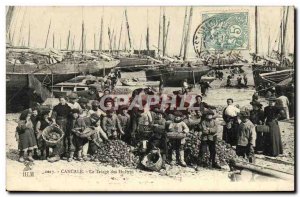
{"points": [[173, 77], [18, 94], [98, 68], [258, 69], [127, 64]]}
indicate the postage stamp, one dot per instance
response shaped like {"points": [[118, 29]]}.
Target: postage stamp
{"points": [[222, 31]]}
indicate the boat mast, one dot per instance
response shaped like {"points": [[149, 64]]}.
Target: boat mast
{"points": [[140, 43], [120, 36], [284, 33], [164, 31], [94, 41], [147, 36], [101, 35], [159, 32], [21, 28], [112, 40], [48, 34], [269, 43], [256, 34], [15, 26], [183, 32], [53, 40], [28, 41], [68, 41], [73, 43], [115, 44], [127, 25], [9, 16], [188, 33], [109, 38], [82, 36], [84, 42], [166, 37], [125, 44]]}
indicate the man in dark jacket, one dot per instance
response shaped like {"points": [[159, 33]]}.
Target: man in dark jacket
{"points": [[61, 115], [158, 139], [201, 106], [209, 129]]}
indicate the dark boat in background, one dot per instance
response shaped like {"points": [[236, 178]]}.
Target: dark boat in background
{"points": [[174, 76], [48, 67], [278, 76], [128, 64]]}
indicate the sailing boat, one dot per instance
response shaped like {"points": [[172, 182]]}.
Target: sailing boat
{"points": [[129, 62], [271, 65], [36, 70], [172, 74]]}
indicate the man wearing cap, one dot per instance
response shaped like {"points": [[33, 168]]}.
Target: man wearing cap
{"points": [[73, 97], [91, 93], [93, 122], [61, 115], [230, 117], [124, 118], [144, 122], [85, 108], [201, 106], [204, 85], [158, 139], [159, 124], [95, 109], [246, 137], [76, 143], [255, 96], [178, 145], [108, 84], [257, 118], [111, 125], [209, 130]]}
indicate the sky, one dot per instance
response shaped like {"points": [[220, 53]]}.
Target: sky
{"points": [[70, 18]]}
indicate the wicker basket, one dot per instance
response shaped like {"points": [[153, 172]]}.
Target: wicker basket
{"points": [[176, 135], [49, 129], [263, 128]]}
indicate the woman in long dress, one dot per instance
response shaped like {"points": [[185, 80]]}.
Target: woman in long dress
{"points": [[273, 143], [25, 136]]}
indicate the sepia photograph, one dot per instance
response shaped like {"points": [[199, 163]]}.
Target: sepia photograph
{"points": [[150, 98]]}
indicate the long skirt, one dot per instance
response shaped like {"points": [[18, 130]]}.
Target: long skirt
{"points": [[273, 143], [27, 140], [230, 134]]}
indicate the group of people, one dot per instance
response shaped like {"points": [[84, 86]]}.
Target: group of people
{"points": [[147, 125], [241, 81], [254, 131]]}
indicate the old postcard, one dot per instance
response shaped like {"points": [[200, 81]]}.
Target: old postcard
{"points": [[150, 98]]}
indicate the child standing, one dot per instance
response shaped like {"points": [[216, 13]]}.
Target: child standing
{"points": [[44, 122], [111, 125], [177, 145], [25, 136], [77, 127]]}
